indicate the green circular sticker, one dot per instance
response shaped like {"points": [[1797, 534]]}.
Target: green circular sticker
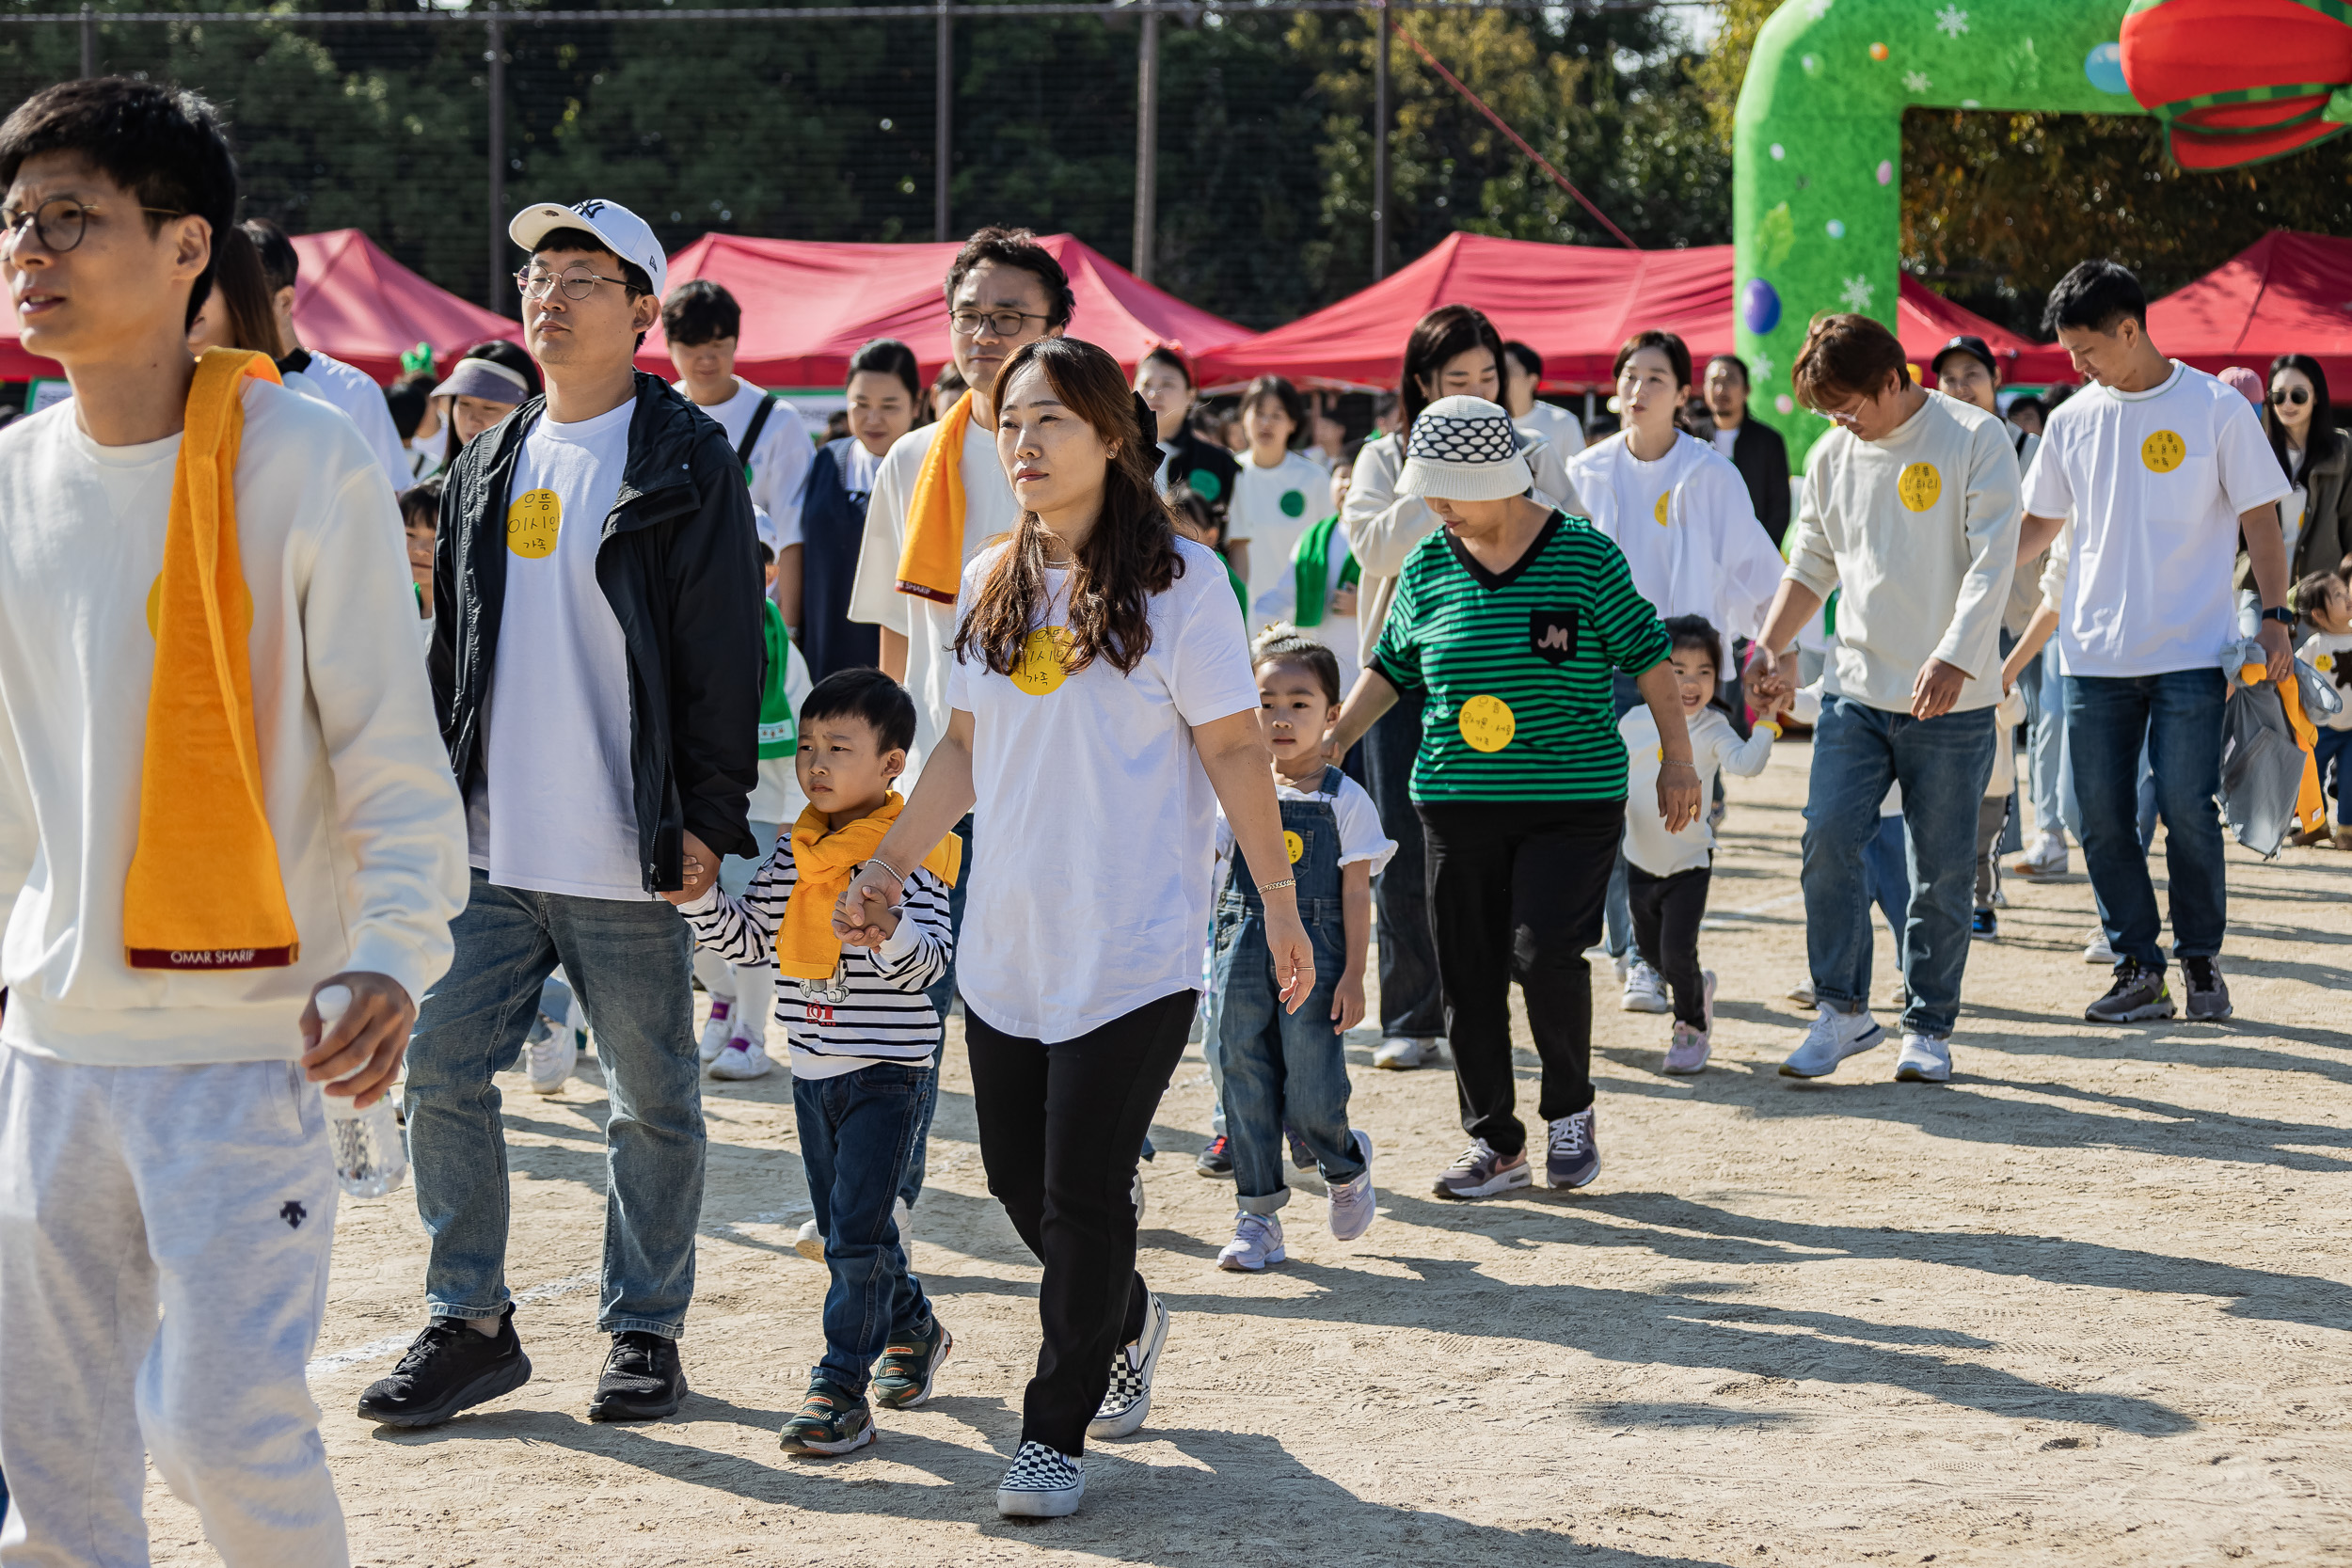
{"points": [[1294, 502], [1205, 483]]}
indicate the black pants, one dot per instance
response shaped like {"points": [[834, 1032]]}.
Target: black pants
{"points": [[1515, 893], [1061, 1128], [1409, 1003], [1666, 916]]}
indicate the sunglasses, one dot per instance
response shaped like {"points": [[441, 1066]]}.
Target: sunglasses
{"points": [[2295, 395]]}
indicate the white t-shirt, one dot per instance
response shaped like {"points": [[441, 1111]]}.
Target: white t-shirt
{"points": [[2155, 482], [353, 390], [1360, 835], [557, 811], [1687, 527], [928, 626], [1725, 440], [1094, 823], [780, 462], [1271, 508], [2327, 652], [1564, 430], [1715, 746]]}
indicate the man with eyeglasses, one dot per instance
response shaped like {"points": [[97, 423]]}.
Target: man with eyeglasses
{"points": [[1909, 510], [598, 653]]}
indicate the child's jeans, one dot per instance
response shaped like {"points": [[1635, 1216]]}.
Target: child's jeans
{"points": [[2333, 755], [858, 1131], [1280, 1067], [1666, 914]]}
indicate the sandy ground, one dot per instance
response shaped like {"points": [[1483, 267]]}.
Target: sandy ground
{"points": [[2088, 1304]]}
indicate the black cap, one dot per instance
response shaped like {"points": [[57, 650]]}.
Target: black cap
{"points": [[1967, 342]]}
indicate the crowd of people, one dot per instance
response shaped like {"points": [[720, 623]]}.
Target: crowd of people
{"points": [[1021, 699]]}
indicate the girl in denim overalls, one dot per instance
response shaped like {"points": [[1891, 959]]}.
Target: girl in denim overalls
{"points": [[1288, 1070]]}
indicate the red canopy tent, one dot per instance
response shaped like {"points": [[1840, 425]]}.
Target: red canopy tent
{"points": [[1574, 304], [352, 301], [2287, 292], [809, 305]]}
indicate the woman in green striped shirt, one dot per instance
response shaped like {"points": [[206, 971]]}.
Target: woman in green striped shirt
{"points": [[1508, 621]]}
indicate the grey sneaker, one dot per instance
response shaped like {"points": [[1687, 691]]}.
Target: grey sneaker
{"points": [[1353, 1205], [1572, 1149], [2208, 992], [1480, 1172], [2136, 994], [1257, 1242]]}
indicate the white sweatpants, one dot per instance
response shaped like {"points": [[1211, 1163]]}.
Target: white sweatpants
{"points": [[205, 1194]]}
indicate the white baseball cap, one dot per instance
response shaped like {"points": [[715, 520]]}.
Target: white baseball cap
{"points": [[624, 233]]}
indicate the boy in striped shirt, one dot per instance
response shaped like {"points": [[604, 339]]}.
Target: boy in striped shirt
{"points": [[862, 1036]]}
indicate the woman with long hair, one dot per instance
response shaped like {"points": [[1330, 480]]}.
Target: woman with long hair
{"points": [[1102, 708], [1453, 352], [2317, 457], [237, 313], [885, 394]]}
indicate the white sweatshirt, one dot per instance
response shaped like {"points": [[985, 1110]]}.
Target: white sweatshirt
{"points": [[1715, 746], [355, 782]]}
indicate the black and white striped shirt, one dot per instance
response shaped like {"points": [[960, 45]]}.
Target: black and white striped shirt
{"points": [[885, 1018]]}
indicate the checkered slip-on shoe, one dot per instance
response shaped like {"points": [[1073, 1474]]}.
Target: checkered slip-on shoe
{"points": [[1044, 1483], [1128, 1400]]}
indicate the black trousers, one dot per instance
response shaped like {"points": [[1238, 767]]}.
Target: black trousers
{"points": [[1666, 916], [1516, 893], [1061, 1126], [1409, 1003]]}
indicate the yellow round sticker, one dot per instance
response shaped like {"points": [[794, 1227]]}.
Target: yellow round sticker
{"points": [[1919, 485], [1486, 723], [2163, 451], [533, 522], [1658, 511], [1043, 662], [1293, 845], [2324, 663]]}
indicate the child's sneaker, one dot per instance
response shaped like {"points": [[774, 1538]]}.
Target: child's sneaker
{"points": [[1216, 1158], [718, 1031], [743, 1060], [1686, 1047], [1480, 1172], [1644, 989], [1044, 1483], [909, 1369], [1801, 992], [1128, 1399], [1984, 926], [2096, 950], [904, 1217], [1257, 1242], [1352, 1202], [1302, 1156], [810, 1242], [1572, 1149], [552, 1055], [830, 1421]]}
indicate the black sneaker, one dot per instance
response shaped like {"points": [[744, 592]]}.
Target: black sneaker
{"points": [[2136, 994], [448, 1367], [909, 1368], [1218, 1159], [1302, 1156], [830, 1421], [642, 1381], [2208, 992], [1985, 926]]}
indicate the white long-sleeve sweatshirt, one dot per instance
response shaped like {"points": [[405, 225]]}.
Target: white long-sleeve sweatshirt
{"points": [[356, 783], [1715, 747]]}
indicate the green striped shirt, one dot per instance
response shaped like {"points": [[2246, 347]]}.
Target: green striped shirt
{"points": [[1516, 666]]}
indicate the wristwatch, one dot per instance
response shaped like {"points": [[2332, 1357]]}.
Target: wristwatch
{"points": [[2280, 613]]}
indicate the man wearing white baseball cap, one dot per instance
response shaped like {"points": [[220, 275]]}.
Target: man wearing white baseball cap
{"points": [[596, 661]]}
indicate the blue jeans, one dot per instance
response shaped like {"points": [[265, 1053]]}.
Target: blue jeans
{"points": [[2330, 754], [1887, 869], [1943, 765], [2177, 716], [631, 964], [857, 1133], [1410, 1004], [1281, 1067], [942, 996]]}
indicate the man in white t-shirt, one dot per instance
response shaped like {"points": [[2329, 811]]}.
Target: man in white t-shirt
{"points": [[321, 375], [1523, 374], [598, 659], [702, 324], [2163, 468]]}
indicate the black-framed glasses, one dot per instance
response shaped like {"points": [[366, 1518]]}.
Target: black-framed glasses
{"points": [[578, 282], [2298, 396], [1005, 324], [61, 222]]}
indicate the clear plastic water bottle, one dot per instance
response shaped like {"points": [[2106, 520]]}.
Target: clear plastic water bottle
{"points": [[370, 1158]]}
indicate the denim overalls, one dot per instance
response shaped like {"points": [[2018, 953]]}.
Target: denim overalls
{"points": [[1284, 1068]]}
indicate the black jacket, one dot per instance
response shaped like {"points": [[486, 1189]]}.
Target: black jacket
{"points": [[1762, 458], [679, 564]]}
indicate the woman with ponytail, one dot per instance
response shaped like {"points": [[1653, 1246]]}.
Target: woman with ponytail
{"points": [[1102, 709]]}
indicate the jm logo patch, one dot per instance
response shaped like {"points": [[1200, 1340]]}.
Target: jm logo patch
{"points": [[293, 1214], [1551, 635]]}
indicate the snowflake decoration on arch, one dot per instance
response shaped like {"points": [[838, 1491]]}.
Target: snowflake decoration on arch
{"points": [[1916, 81], [1952, 22], [1856, 292], [1762, 367]]}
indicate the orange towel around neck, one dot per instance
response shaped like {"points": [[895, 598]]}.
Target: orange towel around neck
{"points": [[931, 564], [204, 890], [823, 858]]}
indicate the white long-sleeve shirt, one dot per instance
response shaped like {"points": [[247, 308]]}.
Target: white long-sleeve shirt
{"points": [[1383, 526], [1687, 528], [1919, 533], [354, 392], [1715, 747], [356, 785]]}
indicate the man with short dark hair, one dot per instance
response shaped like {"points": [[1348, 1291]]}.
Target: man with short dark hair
{"points": [[2162, 469], [219, 796], [703, 326], [598, 651], [321, 375], [1754, 447], [1909, 512], [1522, 377]]}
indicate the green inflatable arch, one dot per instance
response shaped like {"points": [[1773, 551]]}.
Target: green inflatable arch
{"points": [[1816, 188]]}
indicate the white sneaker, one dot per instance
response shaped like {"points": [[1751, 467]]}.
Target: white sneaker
{"points": [[1801, 992], [1134, 1194], [904, 1217], [1924, 1060], [743, 1060], [1400, 1053], [717, 1032], [1128, 1400], [1644, 989], [552, 1055], [2045, 857], [810, 1242], [1257, 1242], [1044, 1483], [2096, 950], [1353, 1205], [1833, 1037]]}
